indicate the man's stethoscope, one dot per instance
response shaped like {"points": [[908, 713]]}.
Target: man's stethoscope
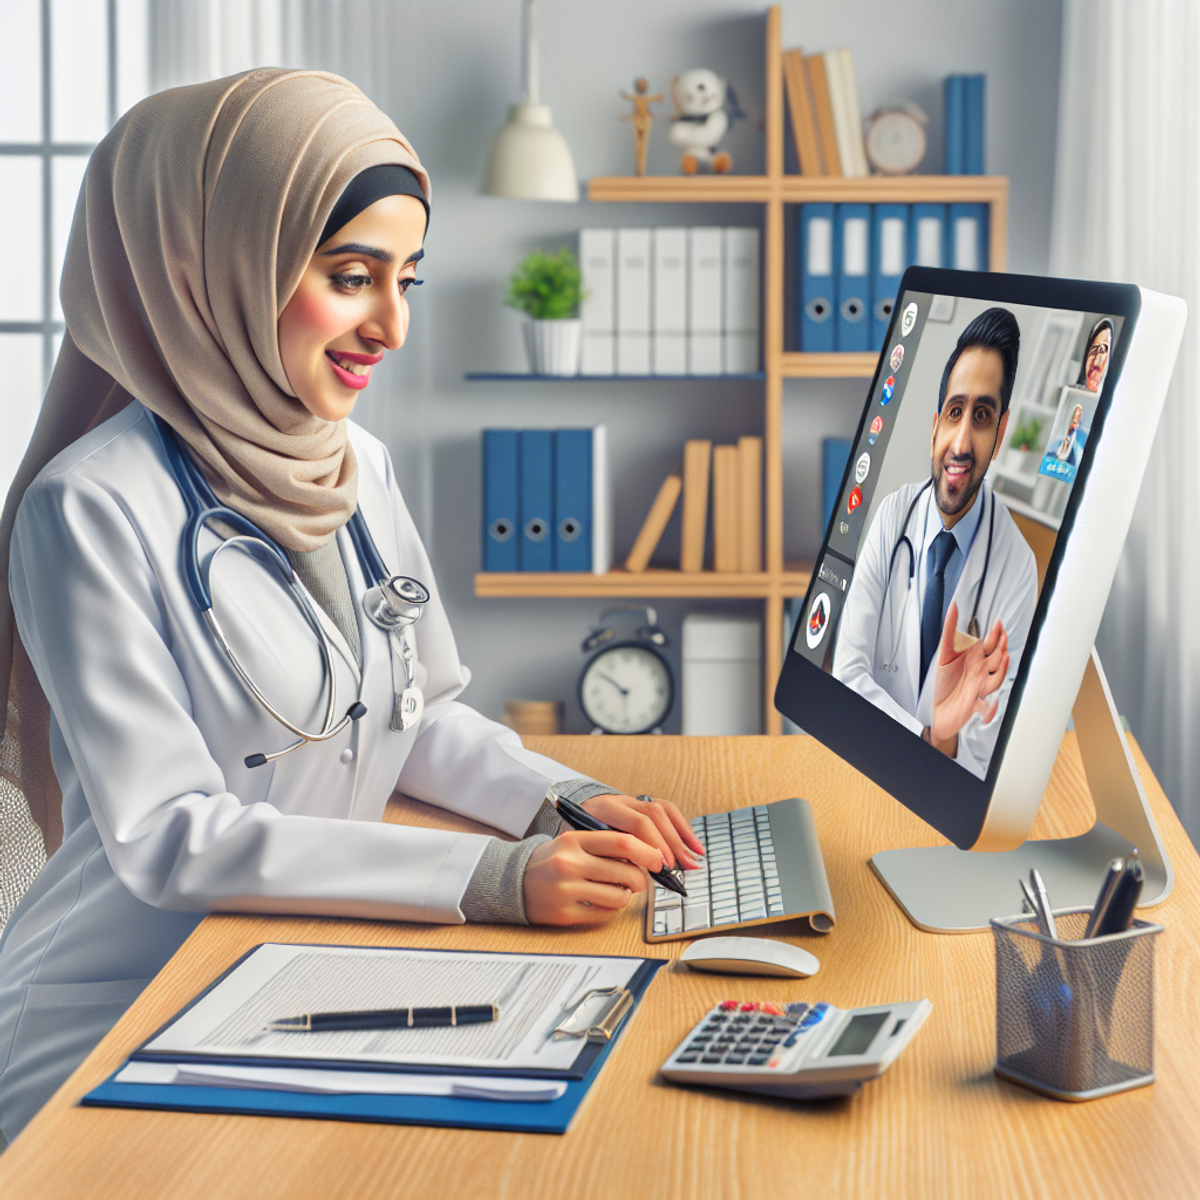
{"points": [[393, 604], [904, 542]]}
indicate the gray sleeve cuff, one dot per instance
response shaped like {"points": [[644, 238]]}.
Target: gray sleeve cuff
{"points": [[495, 894], [547, 821]]}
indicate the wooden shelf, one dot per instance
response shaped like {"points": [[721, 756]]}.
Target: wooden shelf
{"points": [[773, 191], [828, 366], [655, 583], [510, 377], [681, 189]]}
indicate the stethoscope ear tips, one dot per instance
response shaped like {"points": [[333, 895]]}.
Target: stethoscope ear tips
{"points": [[356, 711]]}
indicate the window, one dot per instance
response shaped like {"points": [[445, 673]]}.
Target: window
{"points": [[68, 69]]}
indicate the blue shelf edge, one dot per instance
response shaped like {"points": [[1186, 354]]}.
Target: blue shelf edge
{"points": [[474, 375]]}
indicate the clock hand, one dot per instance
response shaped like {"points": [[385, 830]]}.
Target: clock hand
{"points": [[610, 679]]}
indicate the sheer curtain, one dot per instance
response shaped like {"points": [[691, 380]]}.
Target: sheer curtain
{"points": [[1127, 208]]}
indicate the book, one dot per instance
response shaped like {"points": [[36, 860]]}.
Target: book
{"points": [[726, 491], [655, 523], [705, 291], [953, 93], [697, 456], [973, 125], [633, 301], [847, 118], [823, 109], [750, 465], [800, 107]]}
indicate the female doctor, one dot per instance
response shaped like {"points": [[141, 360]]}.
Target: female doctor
{"points": [[239, 263]]}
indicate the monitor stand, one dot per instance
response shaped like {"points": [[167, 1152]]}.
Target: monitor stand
{"points": [[946, 890]]}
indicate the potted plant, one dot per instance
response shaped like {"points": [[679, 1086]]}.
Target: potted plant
{"points": [[548, 289], [1023, 445]]}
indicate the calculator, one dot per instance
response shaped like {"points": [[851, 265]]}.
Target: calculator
{"points": [[797, 1051]]}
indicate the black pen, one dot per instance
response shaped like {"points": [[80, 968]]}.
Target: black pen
{"points": [[1108, 888], [583, 820], [1125, 897], [388, 1018]]}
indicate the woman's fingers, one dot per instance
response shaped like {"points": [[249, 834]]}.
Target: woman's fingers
{"points": [[658, 824], [582, 878]]}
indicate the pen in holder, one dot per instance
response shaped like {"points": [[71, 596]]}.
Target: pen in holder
{"points": [[1074, 1015]]}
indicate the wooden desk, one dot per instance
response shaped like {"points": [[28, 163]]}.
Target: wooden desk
{"points": [[938, 1124]]}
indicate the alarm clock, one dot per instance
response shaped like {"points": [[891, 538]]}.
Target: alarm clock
{"points": [[896, 139], [626, 686]]}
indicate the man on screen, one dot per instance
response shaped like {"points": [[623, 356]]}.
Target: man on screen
{"points": [[942, 562]]}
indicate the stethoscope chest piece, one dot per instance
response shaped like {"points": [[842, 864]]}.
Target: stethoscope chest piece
{"points": [[395, 604]]}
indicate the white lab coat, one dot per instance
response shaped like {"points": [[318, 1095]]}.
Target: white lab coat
{"points": [[162, 821], [878, 650]]}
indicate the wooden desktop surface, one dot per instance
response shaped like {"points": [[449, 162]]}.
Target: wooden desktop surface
{"points": [[938, 1124]]}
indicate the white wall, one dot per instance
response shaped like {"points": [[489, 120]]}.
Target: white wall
{"points": [[446, 74]]}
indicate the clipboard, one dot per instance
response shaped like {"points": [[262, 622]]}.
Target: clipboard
{"points": [[554, 1116]]}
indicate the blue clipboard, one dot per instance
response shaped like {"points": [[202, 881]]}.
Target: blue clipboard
{"points": [[553, 1116]]}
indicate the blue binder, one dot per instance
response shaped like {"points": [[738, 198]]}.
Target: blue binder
{"points": [[818, 253], [573, 500], [500, 502], [967, 238], [536, 516], [927, 236], [553, 1116], [854, 332], [835, 454], [889, 257], [973, 125], [955, 97]]}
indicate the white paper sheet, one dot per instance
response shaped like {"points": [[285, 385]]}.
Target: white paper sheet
{"points": [[341, 1083], [533, 992]]}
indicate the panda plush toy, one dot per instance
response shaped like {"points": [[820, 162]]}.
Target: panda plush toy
{"points": [[705, 105]]}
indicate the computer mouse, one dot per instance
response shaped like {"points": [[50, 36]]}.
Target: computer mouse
{"points": [[750, 956]]}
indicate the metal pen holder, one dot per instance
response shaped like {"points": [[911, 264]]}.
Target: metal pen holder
{"points": [[1074, 1016]]}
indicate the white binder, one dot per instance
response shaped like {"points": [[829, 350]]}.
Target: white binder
{"points": [[598, 307], [669, 341], [633, 301], [741, 295], [705, 282]]}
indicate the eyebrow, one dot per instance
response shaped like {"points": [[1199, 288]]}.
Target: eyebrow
{"points": [[384, 256]]}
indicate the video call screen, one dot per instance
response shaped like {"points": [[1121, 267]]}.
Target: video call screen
{"points": [[925, 589]]}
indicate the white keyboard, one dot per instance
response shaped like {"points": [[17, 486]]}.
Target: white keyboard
{"points": [[737, 882]]}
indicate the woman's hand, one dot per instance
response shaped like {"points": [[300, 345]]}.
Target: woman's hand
{"points": [[586, 878], [658, 823]]}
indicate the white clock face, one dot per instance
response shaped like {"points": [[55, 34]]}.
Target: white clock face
{"points": [[895, 143], [626, 689]]}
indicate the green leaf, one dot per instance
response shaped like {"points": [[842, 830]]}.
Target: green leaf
{"points": [[547, 287]]}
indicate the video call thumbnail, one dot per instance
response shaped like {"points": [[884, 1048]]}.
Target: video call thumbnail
{"points": [[925, 590]]}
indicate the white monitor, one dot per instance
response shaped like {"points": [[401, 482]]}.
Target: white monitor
{"points": [[956, 596]]}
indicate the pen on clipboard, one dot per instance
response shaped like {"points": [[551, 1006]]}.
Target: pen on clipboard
{"points": [[388, 1018], [581, 819]]}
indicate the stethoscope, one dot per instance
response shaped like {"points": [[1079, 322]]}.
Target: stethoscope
{"points": [[903, 542], [394, 604]]}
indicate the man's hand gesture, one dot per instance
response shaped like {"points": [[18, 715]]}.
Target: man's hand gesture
{"points": [[965, 679]]}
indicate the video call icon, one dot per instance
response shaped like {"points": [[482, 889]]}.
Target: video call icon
{"points": [[909, 319], [897, 356], [818, 621], [875, 430], [854, 500], [889, 388], [862, 467]]}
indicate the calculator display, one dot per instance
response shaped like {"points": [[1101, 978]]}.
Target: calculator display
{"points": [[859, 1034]]}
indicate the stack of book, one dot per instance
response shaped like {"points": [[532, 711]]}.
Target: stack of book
{"points": [[670, 301], [826, 119], [546, 500], [737, 500], [852, 256], [964, 125]]}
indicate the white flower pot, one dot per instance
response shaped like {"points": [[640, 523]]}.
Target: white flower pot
{"points": [[553, 346]]}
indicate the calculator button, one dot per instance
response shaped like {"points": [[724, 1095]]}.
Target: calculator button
{"points": [[735, 1059], [711, 1058], [686, 1058]]}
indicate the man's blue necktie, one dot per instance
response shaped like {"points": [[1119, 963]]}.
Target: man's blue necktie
{"points": [[935, 589]]}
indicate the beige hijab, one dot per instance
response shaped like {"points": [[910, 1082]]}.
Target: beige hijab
{"points": [[198, 215]]}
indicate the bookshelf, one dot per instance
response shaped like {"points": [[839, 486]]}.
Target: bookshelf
{"points": [[774, 190]]}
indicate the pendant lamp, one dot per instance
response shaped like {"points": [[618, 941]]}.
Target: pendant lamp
{"points": [[529, 158]]}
